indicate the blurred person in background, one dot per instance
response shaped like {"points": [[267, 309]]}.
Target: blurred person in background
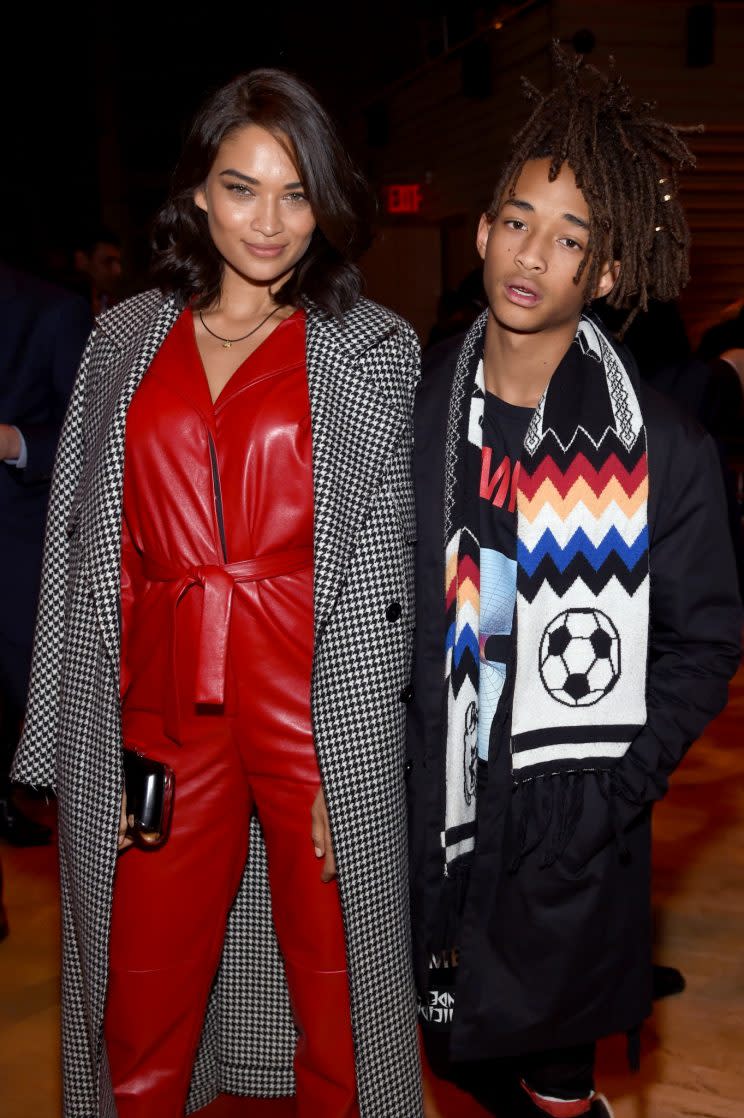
{"points": [[707, 388], [726, 334], [98, 267], [722, 347], [458, 309], [42, 333]]}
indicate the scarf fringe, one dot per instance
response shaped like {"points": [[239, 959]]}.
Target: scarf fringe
{"points": [[612, 791], [545, 812], [560, 797]]}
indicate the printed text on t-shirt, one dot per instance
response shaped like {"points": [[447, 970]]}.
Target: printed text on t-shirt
{"points": [[503, 481]]}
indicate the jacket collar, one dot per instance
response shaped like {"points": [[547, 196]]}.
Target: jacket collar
{"points": [[361, 328], [128, 321]]}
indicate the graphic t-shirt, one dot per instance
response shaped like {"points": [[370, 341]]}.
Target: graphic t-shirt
{"points": [[504, 430]]}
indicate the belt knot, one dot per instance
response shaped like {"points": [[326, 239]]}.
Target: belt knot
{"points": [[217, 582]]}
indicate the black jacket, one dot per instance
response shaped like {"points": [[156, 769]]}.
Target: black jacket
{"points": [[557, 955], [42, 333]]}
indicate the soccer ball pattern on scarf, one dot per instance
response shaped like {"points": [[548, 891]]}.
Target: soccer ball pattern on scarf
{"points": [[580, 657]]}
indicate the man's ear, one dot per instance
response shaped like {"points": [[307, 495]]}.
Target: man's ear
{"points": [[607, 278], [200, 197], [481, 237], [80, 260]]}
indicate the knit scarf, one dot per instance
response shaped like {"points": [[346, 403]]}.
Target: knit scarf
{"points": [[582, 608]]}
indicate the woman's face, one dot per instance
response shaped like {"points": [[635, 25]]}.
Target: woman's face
{"points": [[259, 217]]}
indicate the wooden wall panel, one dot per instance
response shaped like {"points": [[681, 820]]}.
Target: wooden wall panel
{"points": [[455, 145]]}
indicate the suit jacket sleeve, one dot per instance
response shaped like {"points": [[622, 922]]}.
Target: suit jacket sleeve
{"points": [[695, 616], [67, 326], [35, 758]]}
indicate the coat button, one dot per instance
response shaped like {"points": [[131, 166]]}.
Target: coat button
{"points": [[406, 694], [394, 611], [408, 768]]}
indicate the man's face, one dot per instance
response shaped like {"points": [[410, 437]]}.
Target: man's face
{"points": [[103, 265], [531, 252]]}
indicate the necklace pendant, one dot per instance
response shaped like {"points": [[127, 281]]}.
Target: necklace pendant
{"points": [[226, 345]]}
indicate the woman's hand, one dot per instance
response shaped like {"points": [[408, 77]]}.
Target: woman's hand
{"points": [[321, 832], [124, 841]]}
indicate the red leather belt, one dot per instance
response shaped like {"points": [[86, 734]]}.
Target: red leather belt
{"points": [[217, 583]]}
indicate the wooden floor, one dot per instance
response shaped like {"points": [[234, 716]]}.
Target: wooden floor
{"points": [[693, 1062]]}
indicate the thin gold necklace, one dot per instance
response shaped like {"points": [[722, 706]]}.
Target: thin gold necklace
{"points": [[227, 342]]}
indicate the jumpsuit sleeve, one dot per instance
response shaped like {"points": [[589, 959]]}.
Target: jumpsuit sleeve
{"points": [[35, 759]]}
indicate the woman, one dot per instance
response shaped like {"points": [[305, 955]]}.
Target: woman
{"points": [[227, 589]]}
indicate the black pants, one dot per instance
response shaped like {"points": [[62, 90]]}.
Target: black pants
{"points": [[560, 1073]]}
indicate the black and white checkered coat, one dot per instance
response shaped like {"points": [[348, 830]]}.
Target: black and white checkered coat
{"points": [[362, 372]]}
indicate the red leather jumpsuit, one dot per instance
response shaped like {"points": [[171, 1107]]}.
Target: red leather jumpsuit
{"points": [[217, 642]]}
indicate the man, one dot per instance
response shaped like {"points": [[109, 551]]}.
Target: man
{"points": [[42, 333], [578, 617], [97, 260]]}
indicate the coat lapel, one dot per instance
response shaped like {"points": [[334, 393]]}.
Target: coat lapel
{"points": [[102, 500], [358, 408]]}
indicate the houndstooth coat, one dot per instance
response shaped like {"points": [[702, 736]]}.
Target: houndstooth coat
{"points": [[362, 372]]}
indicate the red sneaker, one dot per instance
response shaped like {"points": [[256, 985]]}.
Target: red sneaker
{"points": [[531, 1105]]}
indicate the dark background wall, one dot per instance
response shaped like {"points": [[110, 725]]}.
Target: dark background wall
{"points": [[447, 126], [96, 99]]}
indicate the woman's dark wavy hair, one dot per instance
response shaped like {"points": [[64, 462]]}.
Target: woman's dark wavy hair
{"points": [[185, 260], [626, 162]]}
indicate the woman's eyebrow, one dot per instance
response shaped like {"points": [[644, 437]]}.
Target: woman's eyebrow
{"points": [[257, 182], [240, 175]]}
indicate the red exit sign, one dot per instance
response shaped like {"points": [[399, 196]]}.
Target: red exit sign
{"points": [[403, 198]]}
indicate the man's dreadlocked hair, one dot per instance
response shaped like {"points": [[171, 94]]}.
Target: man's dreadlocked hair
{"points": [[626, 163]]}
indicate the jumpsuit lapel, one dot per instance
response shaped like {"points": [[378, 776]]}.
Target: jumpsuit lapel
{"points": [[356, 422], [184, 375]]}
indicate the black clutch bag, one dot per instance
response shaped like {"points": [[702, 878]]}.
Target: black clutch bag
{"points": [[149, 786]]}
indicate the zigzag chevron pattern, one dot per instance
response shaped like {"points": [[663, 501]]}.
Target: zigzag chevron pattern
{"points": [[463, 608], [596, 522], [583, 514], [580, 544], [595, 450], [580, 568], [581, 493], [581, 469]]}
